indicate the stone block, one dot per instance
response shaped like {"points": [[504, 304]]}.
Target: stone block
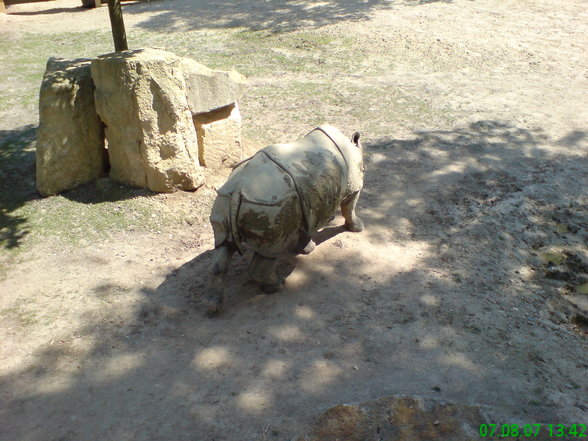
{"points": [[219, 137], [152, 142], [70, 138], [208, 89]]}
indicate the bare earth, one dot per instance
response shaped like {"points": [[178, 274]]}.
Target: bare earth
{"points": [[466, 285]]}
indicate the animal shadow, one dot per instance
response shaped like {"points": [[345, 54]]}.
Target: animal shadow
{"points": [[185, 287]]}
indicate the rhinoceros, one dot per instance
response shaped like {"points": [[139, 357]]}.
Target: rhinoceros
{"points": [[273, 202]]}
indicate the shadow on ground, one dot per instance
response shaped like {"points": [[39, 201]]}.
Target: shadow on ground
{"points": [[50, 11], [275, 15], [105, 189], [17, 182], [18, 188], [457, 320]]}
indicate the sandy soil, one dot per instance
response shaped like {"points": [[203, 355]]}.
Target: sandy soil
{"points": [[463, 287]]}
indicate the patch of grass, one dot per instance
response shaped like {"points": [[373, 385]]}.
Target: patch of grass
{"points": [[71, 220], [260, 53], [369, 107], [23, 59], [82, 215]]}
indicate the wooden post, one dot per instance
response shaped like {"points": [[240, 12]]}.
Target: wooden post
{"points": [[118, 26], [2, 7]]}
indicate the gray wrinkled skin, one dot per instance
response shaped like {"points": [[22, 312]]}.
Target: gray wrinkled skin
{"points": [[274, 201]]}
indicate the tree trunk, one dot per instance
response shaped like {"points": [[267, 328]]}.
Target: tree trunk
{"points": [[118, 26]]}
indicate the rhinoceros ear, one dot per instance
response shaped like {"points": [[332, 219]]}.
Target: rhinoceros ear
{"points": [[355, 138]]}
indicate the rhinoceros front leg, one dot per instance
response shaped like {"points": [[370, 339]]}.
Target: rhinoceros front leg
{"points": [[263, 270], [218, 270], [352, 221]]}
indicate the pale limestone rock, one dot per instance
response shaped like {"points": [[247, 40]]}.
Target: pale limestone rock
{"points": [[219, 137], [208, 89], [152, 142], [70, 138]]}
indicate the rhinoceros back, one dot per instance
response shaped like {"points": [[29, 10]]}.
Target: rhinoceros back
{"points": [[259, 206], [276, 199], [319, 172]]}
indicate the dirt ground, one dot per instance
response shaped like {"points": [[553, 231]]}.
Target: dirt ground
{"points": [[468, 284]]}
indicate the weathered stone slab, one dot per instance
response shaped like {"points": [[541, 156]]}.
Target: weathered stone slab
{"points": [[70, 138], [219, 137], [141, 96], [208, 89]]}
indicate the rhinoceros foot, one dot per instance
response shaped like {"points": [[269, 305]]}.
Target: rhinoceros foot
{"points": [[263, 271], [354, 226], [272, 288]]}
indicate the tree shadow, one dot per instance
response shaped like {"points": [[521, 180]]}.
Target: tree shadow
{"points": [[105, 189], [445, 322], [192, 277], [275, 15], [17, 182], [50, 11], [18, 186]]}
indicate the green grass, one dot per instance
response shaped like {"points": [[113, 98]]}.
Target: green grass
{"points": [[373, 109], [72, 222], [259, 53], [23, 60], [81, 216]]}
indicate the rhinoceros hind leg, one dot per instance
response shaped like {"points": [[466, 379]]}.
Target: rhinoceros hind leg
{"points": [[263, 271], [352, 221], [309, 248], [218, 269]]}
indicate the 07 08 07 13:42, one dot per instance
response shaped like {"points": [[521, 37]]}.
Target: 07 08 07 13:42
{"points": [[533, 430]]}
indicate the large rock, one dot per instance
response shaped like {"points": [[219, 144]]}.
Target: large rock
{"points": [[208, 89], [219, 137], [415, 418], [399, 418], [141, 96], [70, 138]]}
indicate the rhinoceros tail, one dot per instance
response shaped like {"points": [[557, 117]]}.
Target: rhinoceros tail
{"points": [[234, 218]]}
